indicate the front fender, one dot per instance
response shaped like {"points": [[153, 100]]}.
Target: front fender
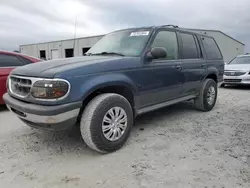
{"points": [[89, 84]]}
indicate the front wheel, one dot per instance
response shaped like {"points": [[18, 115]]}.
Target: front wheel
{"points": [[207, 96], [106, 122]]}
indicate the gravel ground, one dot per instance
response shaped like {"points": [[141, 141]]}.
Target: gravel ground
{"points": [[175, 147]]}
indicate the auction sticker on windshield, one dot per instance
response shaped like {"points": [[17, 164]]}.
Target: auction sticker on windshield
{"points": [[139, 33]]}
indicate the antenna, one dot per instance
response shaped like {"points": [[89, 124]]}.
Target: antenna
{"points": [[74, 37]]}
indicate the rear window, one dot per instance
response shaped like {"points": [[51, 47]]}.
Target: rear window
{"points": [[211, 48]]}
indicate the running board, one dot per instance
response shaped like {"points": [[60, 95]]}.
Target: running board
{"points": [[161, 105]]}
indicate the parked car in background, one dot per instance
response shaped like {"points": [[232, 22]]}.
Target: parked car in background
{"points": [[237, 71], [125, 74], [9, 61]]}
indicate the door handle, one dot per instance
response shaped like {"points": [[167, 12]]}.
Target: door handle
{"points": [[177, 67]]}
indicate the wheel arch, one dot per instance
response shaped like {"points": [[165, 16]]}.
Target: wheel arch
{"points": [[120, 85], [212, 76], [212, 73]]}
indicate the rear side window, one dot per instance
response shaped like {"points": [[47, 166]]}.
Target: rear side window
{"points": [[189, 48], [211, 48], [167, 40], [9, 61]]}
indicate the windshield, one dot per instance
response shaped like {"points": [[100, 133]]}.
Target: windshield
{"points": [[127, 43], [240, 60]]}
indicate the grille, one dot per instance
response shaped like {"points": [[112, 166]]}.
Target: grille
{"points": [[232, 80], [233, 73], [20, 86]]}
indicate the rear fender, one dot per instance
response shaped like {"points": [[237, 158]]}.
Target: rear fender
{"points": [[212, 70]]}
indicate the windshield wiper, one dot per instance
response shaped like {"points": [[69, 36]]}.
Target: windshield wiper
{"points": [[106, 53]]}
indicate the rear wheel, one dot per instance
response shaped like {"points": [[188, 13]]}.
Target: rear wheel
{"points": [[207, 96], [106, 122]]}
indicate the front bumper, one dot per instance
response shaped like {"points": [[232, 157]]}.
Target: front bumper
{"points": [[59, 117], [235, 80]]}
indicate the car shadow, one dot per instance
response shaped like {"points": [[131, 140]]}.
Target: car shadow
{"points": [[70, 141], [165, 112], [238, 87], [3, 107], [59, 142]]}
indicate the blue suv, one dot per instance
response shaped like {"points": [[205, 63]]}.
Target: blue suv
{"points": [[125, 74]]}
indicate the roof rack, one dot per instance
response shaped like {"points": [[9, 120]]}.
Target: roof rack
{"points": [[170, 25]]}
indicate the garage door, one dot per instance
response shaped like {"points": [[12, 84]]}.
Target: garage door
{"points": [[54, 54]]}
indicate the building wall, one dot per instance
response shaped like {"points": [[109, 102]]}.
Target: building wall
{"points": [[229, 47], [87, 43], [61, 46], [53, 46], [30, 50], [68, 44]]}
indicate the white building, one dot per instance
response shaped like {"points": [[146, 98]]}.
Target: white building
{"points": [[229, 46]]}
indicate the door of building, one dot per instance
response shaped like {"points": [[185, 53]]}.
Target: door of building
{"points": [[54, 54]]}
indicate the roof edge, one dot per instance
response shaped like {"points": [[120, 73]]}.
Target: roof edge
{"points": [[60, 40], [219, 32], [131, 28]]}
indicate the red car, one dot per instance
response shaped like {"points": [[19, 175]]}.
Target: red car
{"points": [[9, 61]]}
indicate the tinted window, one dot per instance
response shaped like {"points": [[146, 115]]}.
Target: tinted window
{"points": [[167, 40], [189, 48], [24, 60], [9, 61], [199, 46], [211, 48]]}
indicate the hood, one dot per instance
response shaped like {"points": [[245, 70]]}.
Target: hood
{"points": [[72, 66], [235, 67]]}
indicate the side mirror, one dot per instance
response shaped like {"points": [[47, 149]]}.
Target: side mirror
{"points": [[157, 53]]}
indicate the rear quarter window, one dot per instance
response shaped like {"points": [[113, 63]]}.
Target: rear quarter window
{"points": [[211, 48]]}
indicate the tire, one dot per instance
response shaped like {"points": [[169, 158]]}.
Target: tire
{"points": [[222, 85], [91, 125], [201, 102]]}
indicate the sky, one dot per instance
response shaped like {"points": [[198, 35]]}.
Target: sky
{"points": [[33, 21]]}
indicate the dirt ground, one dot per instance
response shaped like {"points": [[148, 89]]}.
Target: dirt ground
{"points": [[176, 147]]}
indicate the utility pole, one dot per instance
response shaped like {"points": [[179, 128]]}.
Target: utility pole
{"points": [[74, 43]]}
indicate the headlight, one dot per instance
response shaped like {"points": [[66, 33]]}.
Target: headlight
{"points": [[49, 89]]}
